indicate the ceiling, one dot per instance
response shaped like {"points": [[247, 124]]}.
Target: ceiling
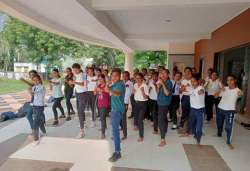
{"points": [[129, 24]]}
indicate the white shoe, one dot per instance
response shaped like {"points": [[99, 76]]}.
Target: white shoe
{"points": [[174, 126], [80, 135]]}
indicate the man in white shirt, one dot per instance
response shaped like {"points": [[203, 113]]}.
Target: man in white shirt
{"points": [[227, 108], [91, 86], [81, 95]]}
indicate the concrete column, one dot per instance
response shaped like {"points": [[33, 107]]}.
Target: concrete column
{"points": [[129, 62]]}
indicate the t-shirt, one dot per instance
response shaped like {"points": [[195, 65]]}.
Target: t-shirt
{"points": [[80, 78], [176, 87], [186, 83], [129, 89], [197, 101], [138, 93], [213, 87], [152, 91], [103, 98], [117, 102], [162, 99], [92, 82], [57, 87], [38, 95], [228, 99]]}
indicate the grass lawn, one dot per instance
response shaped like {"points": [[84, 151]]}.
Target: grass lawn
{"points": [[11, 85]]}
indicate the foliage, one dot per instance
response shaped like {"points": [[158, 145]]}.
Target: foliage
{"points": [[21, 42], [146, 59]]}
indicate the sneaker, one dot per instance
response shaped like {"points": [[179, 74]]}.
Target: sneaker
{"points": [[174, 127], [55, 123], [68, 118], [80, 135], [116, 156], [62, 116]]}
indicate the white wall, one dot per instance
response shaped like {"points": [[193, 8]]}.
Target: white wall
{"points": [[187, 60]]}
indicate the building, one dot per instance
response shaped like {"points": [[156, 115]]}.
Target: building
{"points": [[204, 34]]}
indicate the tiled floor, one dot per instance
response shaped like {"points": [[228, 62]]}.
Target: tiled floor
{"points": [[91, 153]]}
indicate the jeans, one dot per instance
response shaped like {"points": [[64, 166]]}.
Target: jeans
{"points": [[185, 107], [226, 116], [68, 95], [81, 101], [38, 116], [92, 102], [210, 102], [141, 108], [175, 104], [103, 113], [196, 122], [154, 113], [162, 120], [57, 104], [124, 122], [29, 117], [116, 117]]}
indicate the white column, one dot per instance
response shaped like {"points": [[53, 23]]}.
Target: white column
{"points": [[129, 62]]}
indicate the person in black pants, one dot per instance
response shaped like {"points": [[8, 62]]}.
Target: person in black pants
{"points": [[164, 87], [68, 92], [56, 87], [141, 98], [213, 85], [153, 108], [175, 102], [185, 100]]}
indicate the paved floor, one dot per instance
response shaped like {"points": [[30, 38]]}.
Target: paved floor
{"points": [[91, 153]]}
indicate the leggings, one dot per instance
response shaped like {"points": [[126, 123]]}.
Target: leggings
{"points": [[103, 113], [162, 120], [141, 107], [92, 103], [68, 95], [57, 104]]}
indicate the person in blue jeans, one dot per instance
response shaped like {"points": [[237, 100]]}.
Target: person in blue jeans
{"points": [[227, 108], [117, 91], [29, 114]]}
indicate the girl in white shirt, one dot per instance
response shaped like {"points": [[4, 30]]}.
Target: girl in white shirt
{"points": [[212, 86], [227, 108], [38, 92], [153, 107], [56, 87], [141, 98]]}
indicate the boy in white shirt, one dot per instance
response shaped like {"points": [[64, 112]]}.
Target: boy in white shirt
{"points": [[197, 103], [91, 86], [227, 108]]}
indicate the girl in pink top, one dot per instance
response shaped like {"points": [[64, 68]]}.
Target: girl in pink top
{"points": [[103, 103]]}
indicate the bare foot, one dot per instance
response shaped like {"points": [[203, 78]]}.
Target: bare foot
{"points": [[124, 138], [155, 132], [135, 128], [231, 147], [184, 135], [199, 145], [162, 143], [140, 140]]}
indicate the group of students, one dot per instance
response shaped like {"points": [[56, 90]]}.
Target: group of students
{"points": [[153, 94]]}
